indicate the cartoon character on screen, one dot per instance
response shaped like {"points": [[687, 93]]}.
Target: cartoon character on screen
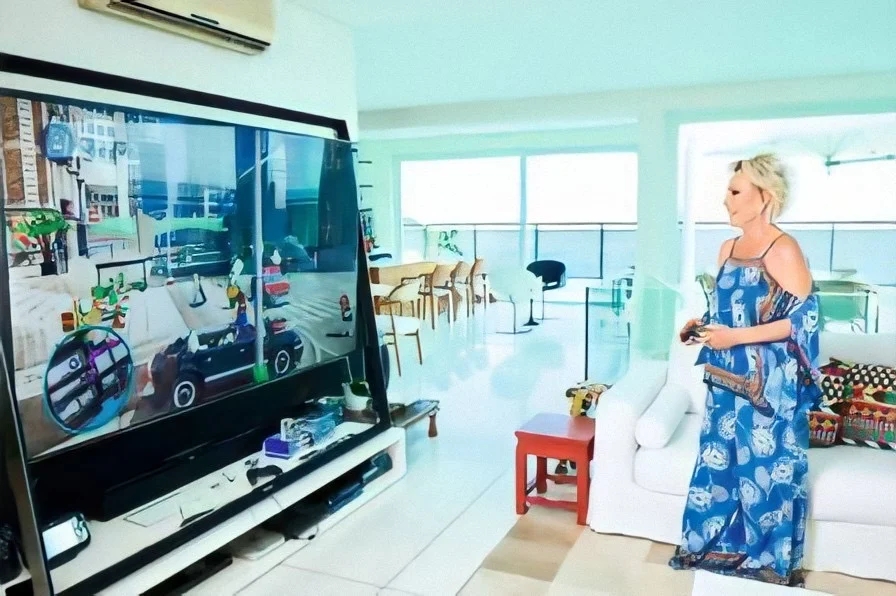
{"points": [[236, 297]]}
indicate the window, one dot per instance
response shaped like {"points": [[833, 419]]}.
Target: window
{"points": [[582, 188], [844, 193], [462, 191]]}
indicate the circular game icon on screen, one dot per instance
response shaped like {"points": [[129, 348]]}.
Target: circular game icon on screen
{"points": [[87, 381]]}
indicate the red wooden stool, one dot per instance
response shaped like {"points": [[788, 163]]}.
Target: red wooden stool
{"points": [[561, 437]]}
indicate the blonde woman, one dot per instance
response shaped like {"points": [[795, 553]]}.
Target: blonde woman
{"points": [[746, 507]]}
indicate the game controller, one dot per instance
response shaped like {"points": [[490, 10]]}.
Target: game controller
{"points": [[253, 474], [692, 333]]}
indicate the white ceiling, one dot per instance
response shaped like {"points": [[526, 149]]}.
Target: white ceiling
{"points": [[428, 52], [837, 137]]}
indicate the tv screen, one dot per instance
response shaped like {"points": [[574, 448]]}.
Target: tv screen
{"points": [[159, 261]]}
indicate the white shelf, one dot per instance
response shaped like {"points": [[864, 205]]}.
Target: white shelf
{"points": [[117, 539], [242, 572], [132, 538]]}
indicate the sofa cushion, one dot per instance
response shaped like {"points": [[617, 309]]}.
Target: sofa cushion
{"points": [[668, 470], [879, 348], [852, 485], [656, 426], [846, 484]]}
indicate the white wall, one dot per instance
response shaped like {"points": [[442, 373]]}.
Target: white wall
{"points": [[310, 67]]}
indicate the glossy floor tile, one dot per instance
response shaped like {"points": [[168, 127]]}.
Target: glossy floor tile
{"points": [[286, 580]]}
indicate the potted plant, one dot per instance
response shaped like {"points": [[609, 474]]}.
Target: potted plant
{"points": [[44, 226]]}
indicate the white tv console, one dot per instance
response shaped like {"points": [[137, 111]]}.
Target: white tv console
{"points": [[241, 572]]}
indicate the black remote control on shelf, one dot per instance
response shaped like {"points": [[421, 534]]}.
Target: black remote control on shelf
{"points": [[253, 474]]}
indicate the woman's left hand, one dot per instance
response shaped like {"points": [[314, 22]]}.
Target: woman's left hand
{"points": [[719, 337]]}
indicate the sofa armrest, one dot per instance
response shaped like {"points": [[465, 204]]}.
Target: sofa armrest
{"points": [[616, 416], [657, 425], [620, 407]]}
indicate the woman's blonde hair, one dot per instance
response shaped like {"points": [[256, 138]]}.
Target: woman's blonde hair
{"points": [[767, 173]]}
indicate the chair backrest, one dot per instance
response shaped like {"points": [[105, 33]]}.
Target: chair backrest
{"points": [[550, 272], [406, 292], [462, 272], [393, 274], [513, 283], [478, 267], [441, 277]]}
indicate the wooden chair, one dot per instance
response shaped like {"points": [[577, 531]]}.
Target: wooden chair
{"points": [[478, 281], [437, 291], [394, 325], [461, 281]]}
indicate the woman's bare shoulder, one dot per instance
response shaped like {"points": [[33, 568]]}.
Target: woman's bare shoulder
{"points": [[787, 264], [725, 250]]}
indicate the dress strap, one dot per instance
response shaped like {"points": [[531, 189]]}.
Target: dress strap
{"points": [[762, 256], [733, 242]]}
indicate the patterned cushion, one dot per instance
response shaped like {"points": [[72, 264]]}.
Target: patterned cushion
{"points": [[824, 429], [864, 395], [858, 406], [869, 423], [835, 383], [874, 381], [582, 396]]}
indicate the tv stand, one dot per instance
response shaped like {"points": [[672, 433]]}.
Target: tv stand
{"points": [[242, 572]]}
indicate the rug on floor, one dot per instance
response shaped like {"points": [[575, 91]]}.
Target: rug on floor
{"points": [[547, 553]]}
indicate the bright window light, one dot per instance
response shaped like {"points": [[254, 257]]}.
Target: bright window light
{"points": [[582, 188], [461, 191]]}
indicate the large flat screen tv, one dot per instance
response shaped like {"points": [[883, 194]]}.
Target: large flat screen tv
{"points": [[182, 271]]}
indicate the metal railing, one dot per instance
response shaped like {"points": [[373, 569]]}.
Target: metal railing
{"points": [[589, 250], [607, 249]]}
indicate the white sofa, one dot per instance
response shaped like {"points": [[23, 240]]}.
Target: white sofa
{"points": [[647, 431]]}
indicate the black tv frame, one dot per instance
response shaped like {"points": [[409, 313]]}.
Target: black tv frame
{"points": [[16, 474]]}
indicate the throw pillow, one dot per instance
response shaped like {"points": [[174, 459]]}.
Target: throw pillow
{"points": [[583, 396], [824, 428], [876, 383], [656, 426], [835, 382], [869, 423]]}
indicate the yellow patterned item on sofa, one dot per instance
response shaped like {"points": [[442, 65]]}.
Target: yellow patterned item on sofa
{"points": [[582, 396]]}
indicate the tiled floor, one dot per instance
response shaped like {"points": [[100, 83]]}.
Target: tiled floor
{"points": [[429, 533], [545, 553]]}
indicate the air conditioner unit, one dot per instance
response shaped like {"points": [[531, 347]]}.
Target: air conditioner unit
{"points": [[246, 26]]}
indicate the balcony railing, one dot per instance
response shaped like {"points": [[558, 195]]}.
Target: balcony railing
{"points": [[607, 249]]}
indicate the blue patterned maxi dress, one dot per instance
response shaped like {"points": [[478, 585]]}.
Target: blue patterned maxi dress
{"points": [[746, 506]]}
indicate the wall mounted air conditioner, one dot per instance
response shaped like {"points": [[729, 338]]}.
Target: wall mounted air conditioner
{"points": [[246, 26]]}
